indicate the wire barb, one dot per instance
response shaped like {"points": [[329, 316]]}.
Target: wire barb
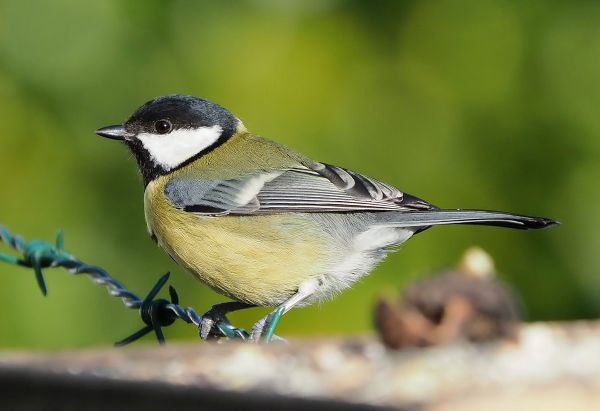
{"points": [[155, 313]]}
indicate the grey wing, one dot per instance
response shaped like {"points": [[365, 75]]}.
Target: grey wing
{"points": [[317, 188]]}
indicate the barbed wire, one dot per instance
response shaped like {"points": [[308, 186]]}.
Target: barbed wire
{"points": [[155, 313]]}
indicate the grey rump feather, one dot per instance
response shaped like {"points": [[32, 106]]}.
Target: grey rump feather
{"points": [[322, 188]]}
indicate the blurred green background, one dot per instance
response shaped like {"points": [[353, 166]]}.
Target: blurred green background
{"points": [[468, 104]]}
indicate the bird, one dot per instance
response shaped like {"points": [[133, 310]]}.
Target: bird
{"points": [[262, 223]]}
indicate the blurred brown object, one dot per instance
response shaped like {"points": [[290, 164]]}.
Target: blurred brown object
{"points": [[468, 304]]}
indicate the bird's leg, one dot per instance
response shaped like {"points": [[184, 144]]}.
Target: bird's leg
{"points": [[265, 327], [218, 312]]}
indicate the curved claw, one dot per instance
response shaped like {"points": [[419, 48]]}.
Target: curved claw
{"points": [[206, 327], [230, 331], [215, 324], [264, 329], [271, 324]]}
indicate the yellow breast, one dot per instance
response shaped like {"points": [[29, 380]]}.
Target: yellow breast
{"points": [[256, 259]]}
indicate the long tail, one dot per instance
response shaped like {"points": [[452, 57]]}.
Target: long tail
{"points": [[477, 217]]}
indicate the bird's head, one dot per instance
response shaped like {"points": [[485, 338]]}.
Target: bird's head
{"points": [[171, 131]]}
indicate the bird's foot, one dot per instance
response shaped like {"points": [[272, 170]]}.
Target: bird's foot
{"points": [[257, 329], [209, 319], [264, 329], [215, 323]]}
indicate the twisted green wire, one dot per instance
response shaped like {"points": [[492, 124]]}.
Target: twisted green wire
{"points": [[37, 254]]}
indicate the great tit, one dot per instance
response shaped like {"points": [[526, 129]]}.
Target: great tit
{"points": [[260, 222]]}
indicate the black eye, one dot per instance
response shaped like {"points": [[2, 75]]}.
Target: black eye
{"points": [[163, 126]]}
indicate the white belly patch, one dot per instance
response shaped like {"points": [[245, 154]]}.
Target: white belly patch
{"points": [[366, 250]]}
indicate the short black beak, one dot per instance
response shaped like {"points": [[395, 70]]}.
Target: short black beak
{"points": [[116, 132]]}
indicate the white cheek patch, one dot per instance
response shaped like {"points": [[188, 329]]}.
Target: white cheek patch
{"points": [[170, 150]]}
